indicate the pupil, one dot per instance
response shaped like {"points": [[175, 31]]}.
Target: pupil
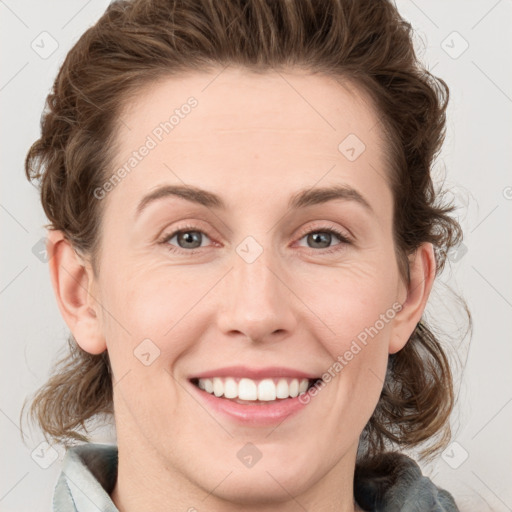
{"points": [[189, 239], [317, 238]]}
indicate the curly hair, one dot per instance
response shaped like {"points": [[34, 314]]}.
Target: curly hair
{"points": [[135, 43]]}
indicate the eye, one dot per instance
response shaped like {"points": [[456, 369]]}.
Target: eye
{"points": [[323, 236], [188, 238]]}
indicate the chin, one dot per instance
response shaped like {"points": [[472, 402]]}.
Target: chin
{"points": [[272, 479], [250, 489]]}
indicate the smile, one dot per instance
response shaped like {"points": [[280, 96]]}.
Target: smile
{"points": [[254, 390], [253, 397]]}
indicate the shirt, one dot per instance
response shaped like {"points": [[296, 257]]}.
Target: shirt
{"points": [[394, 484]]}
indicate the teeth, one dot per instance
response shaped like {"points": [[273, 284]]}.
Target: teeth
{"points": [[294, 388], [267, 390], [247, 389], [282, 389], [218, 387], [303, 385], [208, 386], [230, 388]]}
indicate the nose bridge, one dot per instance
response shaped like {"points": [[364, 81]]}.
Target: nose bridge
{"points": [[255, 300]]}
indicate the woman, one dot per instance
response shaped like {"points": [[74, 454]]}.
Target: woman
{"points": [[243, 238]]}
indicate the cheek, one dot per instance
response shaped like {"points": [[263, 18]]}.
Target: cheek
{"points": [[360, 329], [357, 303], [359, 309], [155, 309]]}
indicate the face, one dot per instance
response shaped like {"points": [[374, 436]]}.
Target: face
{"points": [[250, 290]]}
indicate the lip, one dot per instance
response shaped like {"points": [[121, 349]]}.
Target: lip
{"points": [[254, 373], [262, 414]]}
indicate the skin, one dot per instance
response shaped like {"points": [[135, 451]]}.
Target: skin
{"points": [[254, 140]]}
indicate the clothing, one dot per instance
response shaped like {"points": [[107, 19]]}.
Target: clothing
{"points": [[392, 483]]}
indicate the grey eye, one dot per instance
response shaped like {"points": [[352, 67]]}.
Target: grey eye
{"points": [[189, 239], [320, 237]]}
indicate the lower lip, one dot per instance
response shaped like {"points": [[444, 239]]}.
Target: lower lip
{"points": [[261, 414]]}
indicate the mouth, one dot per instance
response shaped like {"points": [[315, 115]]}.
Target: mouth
{"points": [[255, 397], [243, 390]]}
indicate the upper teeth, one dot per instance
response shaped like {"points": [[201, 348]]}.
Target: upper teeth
{"points": [[248, 389]]}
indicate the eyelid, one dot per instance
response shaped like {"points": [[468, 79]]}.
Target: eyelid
{"points": [[322, 226], [166, 236]]}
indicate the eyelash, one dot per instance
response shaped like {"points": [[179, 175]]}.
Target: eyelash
{"points": [[343, 239]]}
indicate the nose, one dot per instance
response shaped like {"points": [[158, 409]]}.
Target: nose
{"points": [[256, 301]]}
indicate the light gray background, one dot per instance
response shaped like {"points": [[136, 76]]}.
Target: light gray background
{"points": [[475, 164]]}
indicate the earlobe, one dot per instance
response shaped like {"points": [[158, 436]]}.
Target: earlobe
{"points": [[72, 284], [422, 271]]}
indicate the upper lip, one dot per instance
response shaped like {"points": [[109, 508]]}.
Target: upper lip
{"points": [[254, 373]]}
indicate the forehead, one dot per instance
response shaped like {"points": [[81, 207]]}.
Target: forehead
{"points": [[250, 133], [236, 99]]}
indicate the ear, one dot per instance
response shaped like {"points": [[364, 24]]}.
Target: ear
{"points": [[72, 281], [422, 267]]}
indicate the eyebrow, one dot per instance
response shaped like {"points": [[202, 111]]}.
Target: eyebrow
{"points": [[301, 199]]}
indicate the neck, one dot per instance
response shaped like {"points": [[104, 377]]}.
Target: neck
{"points": [[147, 480]]}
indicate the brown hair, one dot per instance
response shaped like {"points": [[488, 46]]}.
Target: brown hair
{"points": [[137, 42]]}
